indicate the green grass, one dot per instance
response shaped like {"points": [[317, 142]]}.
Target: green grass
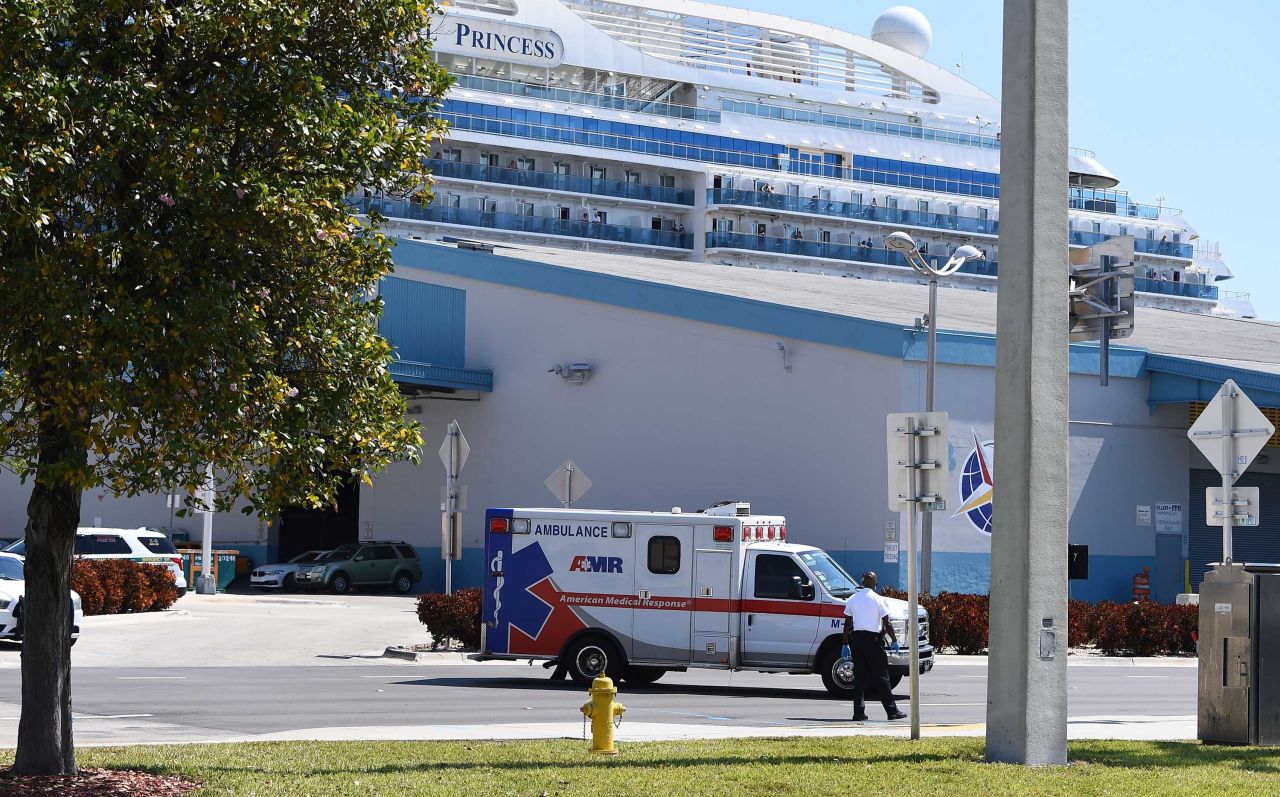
{"points": [[950, 767]]}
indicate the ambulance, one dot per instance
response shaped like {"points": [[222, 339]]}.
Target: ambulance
{"points": [[638, 594]]}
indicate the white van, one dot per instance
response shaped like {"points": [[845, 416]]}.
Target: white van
{"points": [[140, 545]]}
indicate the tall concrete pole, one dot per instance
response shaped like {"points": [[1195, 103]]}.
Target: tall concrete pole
{"points": [[1027, 669]]}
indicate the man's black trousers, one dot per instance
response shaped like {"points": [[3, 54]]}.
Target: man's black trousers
{"points": [[870, 671]]}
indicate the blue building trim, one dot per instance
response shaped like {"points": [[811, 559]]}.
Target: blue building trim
{"points": [[1178, 380], [428, 375]]}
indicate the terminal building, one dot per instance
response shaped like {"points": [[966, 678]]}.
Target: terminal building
{"points": [[655, 249]]}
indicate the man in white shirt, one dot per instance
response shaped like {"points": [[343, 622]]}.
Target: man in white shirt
{"points": [[866, 617]]}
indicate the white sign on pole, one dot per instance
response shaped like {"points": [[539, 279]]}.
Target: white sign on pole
{"points": [[568, 483], [916, 444], [462, 451], [1168, 518], [891, 552], [891, 531], [1144, 514], [1245, 506], [1250, 430]]}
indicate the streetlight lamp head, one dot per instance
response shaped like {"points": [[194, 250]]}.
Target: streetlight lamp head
{"points": [[969, 252], [899, 242]]}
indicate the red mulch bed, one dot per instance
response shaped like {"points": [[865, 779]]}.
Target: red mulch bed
{"points": [[95, 783]]}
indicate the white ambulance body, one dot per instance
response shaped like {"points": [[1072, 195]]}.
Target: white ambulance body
{"points": [[640, 593]]}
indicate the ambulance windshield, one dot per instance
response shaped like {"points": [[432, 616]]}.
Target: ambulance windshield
{"points": [[833, 578]]}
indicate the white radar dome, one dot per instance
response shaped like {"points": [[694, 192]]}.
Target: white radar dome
{"points": [[903, 28]]}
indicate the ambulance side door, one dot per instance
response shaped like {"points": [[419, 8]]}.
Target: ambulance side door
{"points": [[780, 611], [663, 614]]}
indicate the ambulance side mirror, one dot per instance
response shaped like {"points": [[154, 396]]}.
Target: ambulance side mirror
{"points": [[801, 589]]}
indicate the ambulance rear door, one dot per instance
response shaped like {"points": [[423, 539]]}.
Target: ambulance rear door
{"points": [[662, 618]]}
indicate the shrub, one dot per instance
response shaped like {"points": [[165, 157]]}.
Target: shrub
{"points": [[454, 617], [114, 586], [959, 622]]}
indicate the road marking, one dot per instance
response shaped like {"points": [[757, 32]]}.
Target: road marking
{"points": [[688, 714], [151, 677], [939, 705], [1147, 676], [109, 716], [971, 676]]}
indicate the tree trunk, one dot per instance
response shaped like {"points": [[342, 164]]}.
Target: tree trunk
{"points": [[45, 745]]}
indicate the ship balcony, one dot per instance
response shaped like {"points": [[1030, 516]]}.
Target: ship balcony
{"points": [[1141, 245], [885, 216], [519, 223], [550, 181], [611, 102], [1186, 290], [830, 251]]}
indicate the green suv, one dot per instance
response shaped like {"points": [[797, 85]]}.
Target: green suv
{"points": [[380, 563]]}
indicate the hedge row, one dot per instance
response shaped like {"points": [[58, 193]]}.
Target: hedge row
{"points": [[453, 617], [118, 586], [959, 622]]}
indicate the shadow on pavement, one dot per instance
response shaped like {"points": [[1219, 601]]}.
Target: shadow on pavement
{"points": [[817, 693]]}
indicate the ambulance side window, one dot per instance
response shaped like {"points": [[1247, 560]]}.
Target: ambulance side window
{"points": [[776, 577], [664, 555]]}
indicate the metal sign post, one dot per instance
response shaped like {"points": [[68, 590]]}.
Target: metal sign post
{"points": [[916, 444], [208, 583], [1230, 433], [453, 453]]}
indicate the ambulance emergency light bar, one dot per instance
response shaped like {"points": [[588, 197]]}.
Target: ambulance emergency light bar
{"points": [[622, 530]]}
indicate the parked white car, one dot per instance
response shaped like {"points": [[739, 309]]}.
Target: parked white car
{"points": [[140, 545], [13, 588], [281, 576]]}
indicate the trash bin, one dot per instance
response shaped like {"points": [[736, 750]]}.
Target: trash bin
{"points": [[224, 567], [1239, 651]]}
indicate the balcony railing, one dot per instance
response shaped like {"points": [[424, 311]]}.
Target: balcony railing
{"points": [[853, 211], [560, 182], [829, 251], [1190, 290], [516, 222], [611, 101], [1145, 245]]}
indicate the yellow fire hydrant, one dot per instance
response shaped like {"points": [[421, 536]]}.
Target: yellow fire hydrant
{"points": [[602, 710]]}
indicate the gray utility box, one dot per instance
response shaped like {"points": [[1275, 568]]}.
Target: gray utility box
{"points": [[1239, 689]]}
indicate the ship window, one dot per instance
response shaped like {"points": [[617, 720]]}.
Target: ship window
{"points": [[452, 200], [664, 555], [983, 213], [667, 180], [524, 208], [633, 177], [562, 168], [922, 205]]}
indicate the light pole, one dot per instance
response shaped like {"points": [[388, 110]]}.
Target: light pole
{"points": [[902, 242]]}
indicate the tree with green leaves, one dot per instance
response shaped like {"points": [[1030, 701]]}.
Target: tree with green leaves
{"points": [[183, 284]]}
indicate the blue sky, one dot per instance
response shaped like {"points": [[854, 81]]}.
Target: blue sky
{"points": [[1177, 97]]}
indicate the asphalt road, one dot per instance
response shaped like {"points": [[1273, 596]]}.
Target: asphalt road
{"points": [[211, 701]]}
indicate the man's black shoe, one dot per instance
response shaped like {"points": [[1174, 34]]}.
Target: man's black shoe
{"points": [[897, 715], [860, 717]]}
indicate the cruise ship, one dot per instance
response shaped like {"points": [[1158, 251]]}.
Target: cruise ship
{"points": [[703, 133]]}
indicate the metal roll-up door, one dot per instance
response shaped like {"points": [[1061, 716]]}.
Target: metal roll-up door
{"points": [[1260, 543]]}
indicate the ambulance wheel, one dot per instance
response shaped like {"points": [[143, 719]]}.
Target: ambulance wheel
{"points": [[837, 675], [590, 656], [643, 676]]}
